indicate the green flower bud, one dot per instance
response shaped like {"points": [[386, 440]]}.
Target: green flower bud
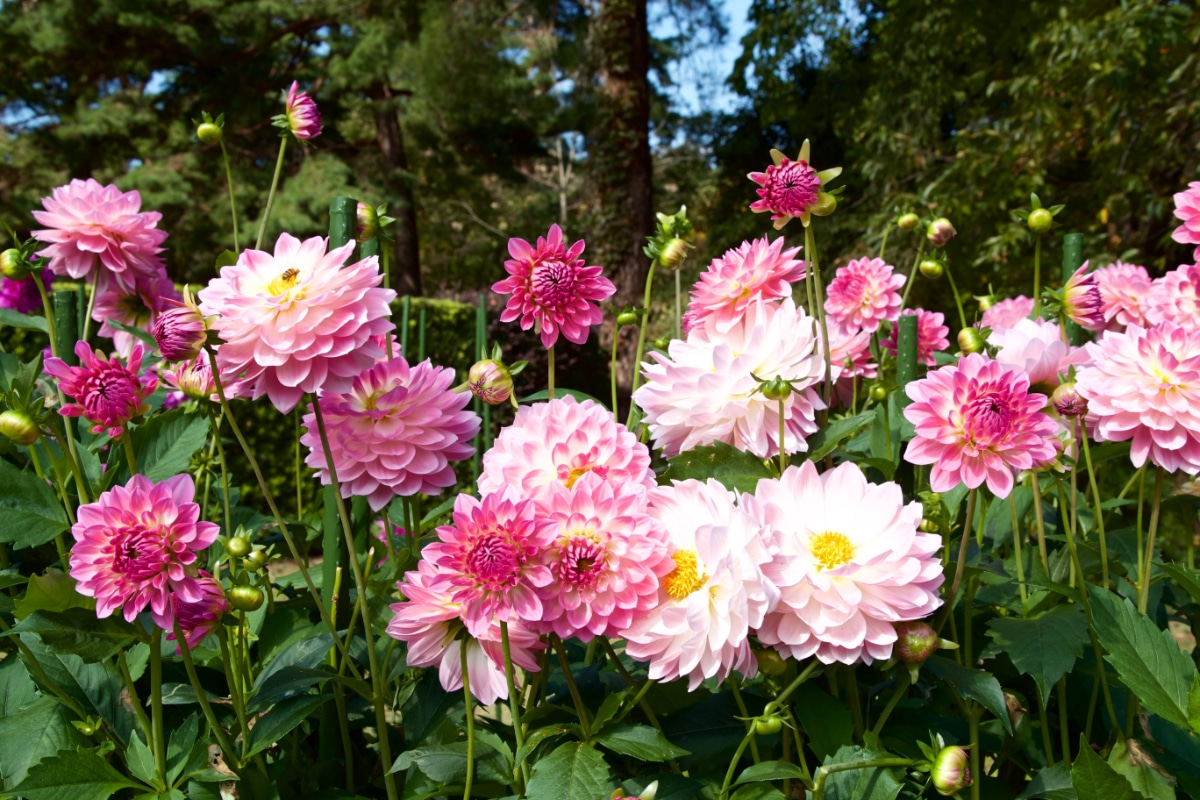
{"points": [[951, 772], [255, 560], [662, 342], [246, 598], [238, 547], [1040, 220], [931, 268], [970, 340], [908, 222], [766, 726], [770, 663], [19, 427], [826, 204], [987, 301], [15, 266], [777, 389], [490, 381], [673, 253], [209, 132], [627, 318], [879, 393]]}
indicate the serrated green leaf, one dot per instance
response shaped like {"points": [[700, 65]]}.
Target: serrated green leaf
{"points": [[1148, 660], [609, 708], [96, 687], [639, 741], [827, 439], [79, 632], [536, 737], [53, 591], [826, 721], [165, 444], [972, 684], [873, 783], [284, 683], [769, 771], [1186, 578], [757, 791], [1044, 647], [1093, 778], [281, 720], [1051, 783], [446, 764], [73, 775], [30, 514], [574, 771], [39, 730], [26, 321], [140, 760], [1144, 778], [180, 746], [735, 469], [17, 690]]}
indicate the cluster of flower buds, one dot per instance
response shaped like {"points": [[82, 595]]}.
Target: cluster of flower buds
{"points": [[669, 246]]}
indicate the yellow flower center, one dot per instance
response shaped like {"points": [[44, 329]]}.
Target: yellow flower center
{"points": [[574, 474], [831, 549], [283, 281], [686, 577]]}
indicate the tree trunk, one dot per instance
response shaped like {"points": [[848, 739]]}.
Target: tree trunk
{"points": [[619, 157], [397, 180]]}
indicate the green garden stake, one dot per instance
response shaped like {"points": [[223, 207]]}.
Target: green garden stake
{"points": [[906, 357], [421, 335], [343, 220], [405, 305], [1072, 260], [369, 248], [66, 324]]}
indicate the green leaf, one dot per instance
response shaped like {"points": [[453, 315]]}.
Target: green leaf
{"points": [[17, 690], [639, 741], [609, 708], [972, 684], [96, 687], [1194, 705], [826, 440], [280, 720], [284, 683], [769, 771], [226, 258], [79, 632], [574, 771], [1185, 577], [30, 514], [1093, 778], [873, 783], [1051, 783], [757, 791], [26, 321], [140, 760], [165, 444], [1044, 647], [54, 591], [559, 392], [37, 731], [737, 470], [73, 775], [180, 745], [427, 707], [1144, 778], [447, 763], [826, 721], [1148, 660]]}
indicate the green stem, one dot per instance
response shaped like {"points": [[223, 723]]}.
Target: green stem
{"points": [[550, 373], [873, 763], [641, 345], [127, 443], [1037, 277], [612, 369], [962, 317], [783, 459], [76, 471], [1144, 576], [158, 743], [776, 704], [902, 684], [580, 709], [1081, 435], [733, 762], [299, 493], [646, 709], [678, 304], [961, 565], [224, 477], [883, 245], [219, 732], [262, 226], [976, 755], [236, 695], [514, 702], [1046, 746], [1064, 735], [232, 201], [814, 266], [138, 709], [32, 664], [912, 275], [87, 320], [1016, 531], [1036, 485], [737, 698], [470, 718]]}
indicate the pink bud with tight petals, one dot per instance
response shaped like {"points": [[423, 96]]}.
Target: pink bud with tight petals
{"points": [[490, 381], [939, 232], [179, 332]]}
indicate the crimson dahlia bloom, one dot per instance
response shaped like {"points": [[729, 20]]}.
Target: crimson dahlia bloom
{"points": [[23, 296], [552, 290], [790, 189], [107, 393]]}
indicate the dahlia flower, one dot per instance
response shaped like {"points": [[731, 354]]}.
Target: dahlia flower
{"points": [[135, 546], [1175, 297], [22, 296], [1038, 350], [138, 307], [850, 563], [559, 441], [490, 558], [850, 349], [715, 595], [1144, 385], [931, 335], [303, 118], [394, 433], [1005, 313], [99, 233], [753, 270], [864, 293], [179, 331], [1081, 300], [198, 619], [194, 378], [1124, 294], [608, 558], [299, 320], [790, 188], [705, 390], [977, 421], [1187, 208], [107, 393], [552, 290]]}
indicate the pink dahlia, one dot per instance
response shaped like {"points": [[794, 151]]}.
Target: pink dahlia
{"points": [[135, 546], [1081, 301], [198, 619], [303, 118], [753, 270], [1038, 350], [394, 433], [790, 188], [560, 441], [1124, 294], [134, 308], [864, 293], [107, 393], [99, 233], [850, 563], [932, 335], [1144, 385], [552, 290], [22, 296], [715, 595], [491, 558], [977, 421], [1175, 297], [705, 390], [179, 331], [850, 349], [429, 622], [1187, 208], [193, 378], [299, 320], [1006, 313], [608, 557]]}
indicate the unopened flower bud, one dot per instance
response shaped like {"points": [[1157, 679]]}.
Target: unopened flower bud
{"points": [[1067, 401], [826, 204], [673, 253], [928, 525], [939, 232], [14, 266], [1040, 220], [951, 772], [931, 268], [18, 427], [879, 393], [490, 381], [209, 132], [179, 332], [367, 227], [986, 301], [915, 642], [908, 222], [627, 318], [662, 342], [970, 340], [770, 663], [777, 389]]}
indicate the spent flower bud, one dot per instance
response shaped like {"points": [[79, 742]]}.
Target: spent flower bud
{"points": [[951, 772], [939, 232], [908, 222], [18, 427]]}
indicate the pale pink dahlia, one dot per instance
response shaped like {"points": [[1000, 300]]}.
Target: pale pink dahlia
{"points": [[200, 618], [705, 390], [395, 433], [552, 290], [299, 320], [1124, 294], [715, 595], [99, 233], [864, 293], [22, 296], [790, 189], [1038, 350], [1005, 313], [753, 270], [107, 393], [139, 307], [1144, 385], [559, 441], [1081, 301], [490, 558], [977, 421], [303, 118], [1175, 297], [608, 557], [135, 546], [850, 563], [932, 335], [1187, 208]]}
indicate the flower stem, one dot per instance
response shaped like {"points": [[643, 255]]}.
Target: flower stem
{"points": [[961, 565], [1041, 523], [1037, 277], [262, 226], [470, 718], [976, 755], [781, 698], [236, 695], [514, 702], [1081, 435], [87, 320], [550, 373], [783, 459], [189, 665], [135, 701], [827, 770], [1144, 575], [612, 369], [912, 275], [156, 707], [232, 200], [902, 684], [1016, 531], [741, 704], [810, 247], [48, 309], [678, 304], [883, 245], [641, 345], [127, 443], [580, 709], [962, 317]]}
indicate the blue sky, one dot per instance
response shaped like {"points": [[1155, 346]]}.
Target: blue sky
{"points": [[700, 79]]}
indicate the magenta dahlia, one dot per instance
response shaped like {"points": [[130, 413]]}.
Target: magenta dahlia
{"points": [[977, 421], [753, 270], [932, 335], [179, 331], [850, 350], [790, 189], [864, 293], [1175, 297], [22, 296], [1124, 294], [394, 433], [200, 618], [552, 290], [1187, 208], [107, 393], [303, 118], [135, 546]]}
